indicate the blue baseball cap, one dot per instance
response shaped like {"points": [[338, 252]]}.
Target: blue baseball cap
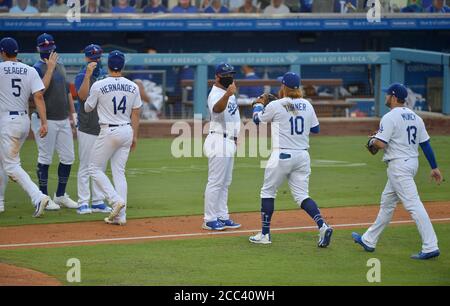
{"points": [[397, 90], [9, 46], [224, 68], [45, 43], [116, 60], [93, 51], [291, 80]]}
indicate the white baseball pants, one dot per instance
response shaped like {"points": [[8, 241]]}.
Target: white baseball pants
{"points": [[113, 144], [294, 165], [220, 152], [401, 187], [86, 144], [59, 137], [14, 130]]}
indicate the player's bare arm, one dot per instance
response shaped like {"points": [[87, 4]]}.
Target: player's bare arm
{"points": [[144, 96], [221, 105], [40, 106], [135, 115], [51, 65], [83, 92]]}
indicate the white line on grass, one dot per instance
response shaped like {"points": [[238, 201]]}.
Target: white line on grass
{"points": [[196, 234]]}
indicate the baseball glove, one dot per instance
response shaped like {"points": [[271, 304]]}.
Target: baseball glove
{"points": [[264, 99], [371, 147]]}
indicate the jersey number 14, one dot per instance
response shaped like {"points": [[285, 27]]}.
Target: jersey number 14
{"points": [[122, 105]]}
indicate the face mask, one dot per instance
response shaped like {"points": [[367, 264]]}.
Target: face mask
{"points": [[226, 81], [45, 55], [97, 69]]}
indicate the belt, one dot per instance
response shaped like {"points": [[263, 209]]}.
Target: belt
{"points": [[17, 113], [117, 125], [225, 135]]}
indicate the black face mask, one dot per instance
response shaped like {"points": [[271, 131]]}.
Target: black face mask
{"points": [[45, 55], [226, 81]]}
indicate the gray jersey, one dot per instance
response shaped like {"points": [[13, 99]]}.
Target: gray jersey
{"points": [[56, 95]]}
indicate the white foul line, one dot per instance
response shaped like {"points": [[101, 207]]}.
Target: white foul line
{"points": [[195, 234]]}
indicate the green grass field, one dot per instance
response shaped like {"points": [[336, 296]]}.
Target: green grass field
{"points": [[292, 259], [343, 174], [160, 185]]}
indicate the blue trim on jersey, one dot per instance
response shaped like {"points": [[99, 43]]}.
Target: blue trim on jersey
{"points": [[315, 129], [256, 110], [429, 154], [385, 142]]}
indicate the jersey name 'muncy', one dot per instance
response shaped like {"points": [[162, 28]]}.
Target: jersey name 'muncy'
{"points": [[117, 87]]}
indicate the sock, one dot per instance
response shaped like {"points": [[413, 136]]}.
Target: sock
{"points": [[313, 211], [267, 208], [63, 177], [42, 174]]}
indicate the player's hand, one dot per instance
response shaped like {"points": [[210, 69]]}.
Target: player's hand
{"points": [[43, 130], [436, 175], [52, 60], [231, 90], [134, 144], [90, 68]]}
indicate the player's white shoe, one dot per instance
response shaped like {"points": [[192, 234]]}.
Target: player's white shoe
{"points": [[116, 208], [65, 201], [325, 233], [51, 206], [116, 221], [260, 238], [41, 206]]}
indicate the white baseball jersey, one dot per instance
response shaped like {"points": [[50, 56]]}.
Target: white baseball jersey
{"points": [[228, 121], [18, 83], [115, 99], [293, 119], [402, 130]]}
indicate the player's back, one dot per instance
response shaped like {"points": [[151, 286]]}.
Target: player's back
{"points": [[292, 121], [403, 131], [117, 96], [18, 82]]}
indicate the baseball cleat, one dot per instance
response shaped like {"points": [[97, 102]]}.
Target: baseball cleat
{"points": [[115, 211], [116, 221], [229, 223], [84, 209], [52, 206], [260, 238], [358, 239], [65, 201], [41, 206], [325, 234], [425, 256], [213, 226], [101, 208]]}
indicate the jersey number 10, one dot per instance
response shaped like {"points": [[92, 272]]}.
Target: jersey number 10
{"points": [[297, 125], [122, 105]]}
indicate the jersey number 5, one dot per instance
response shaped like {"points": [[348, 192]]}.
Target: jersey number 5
{"points": [[16, 86], [122, 105], [297, 125]]}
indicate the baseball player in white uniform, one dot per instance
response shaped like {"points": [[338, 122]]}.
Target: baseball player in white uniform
{"points": [[220, 147], [400, 134], [293, 119], [18, 83], [117, 100], [60, 110]]}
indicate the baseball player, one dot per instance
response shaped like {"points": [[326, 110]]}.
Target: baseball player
{"points": [[117, 100], [18, 83], [293, 119], [400, 134], [88, 130], [220, 147], [60, 110]]}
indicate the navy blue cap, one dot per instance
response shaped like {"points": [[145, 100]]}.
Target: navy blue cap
{"points": [[45, 43], [397, 90], [291, 80], [93, 51], [116, 60], [224, 68], [9, 46]]}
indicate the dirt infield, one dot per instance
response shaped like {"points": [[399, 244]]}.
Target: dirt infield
{"points": [[85, 233]]}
